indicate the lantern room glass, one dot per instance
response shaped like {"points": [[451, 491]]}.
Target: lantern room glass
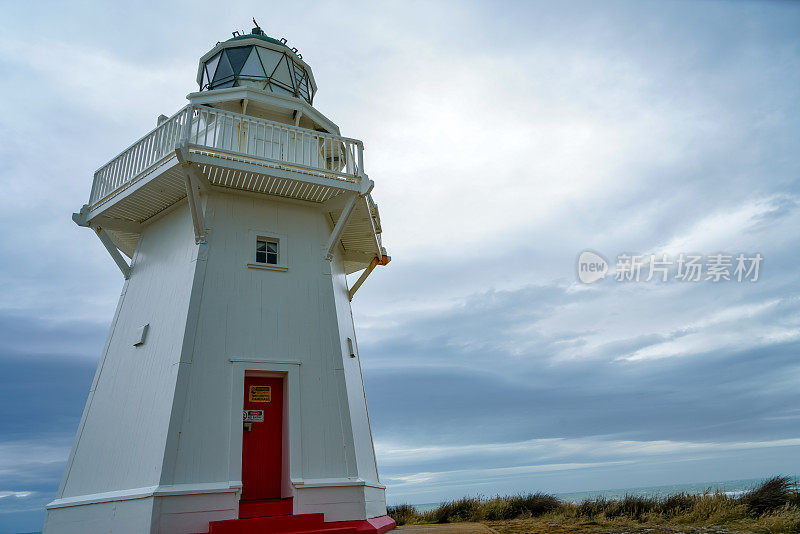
{"points": [[258, 67]]}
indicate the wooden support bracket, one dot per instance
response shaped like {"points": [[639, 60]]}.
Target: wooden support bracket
{"points": [[338, 230], [383, 260], [116, 255], [192, 194], [105, 239], [365, 188]]}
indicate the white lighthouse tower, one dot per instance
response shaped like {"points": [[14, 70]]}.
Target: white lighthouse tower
{"points": [[229, 395]]}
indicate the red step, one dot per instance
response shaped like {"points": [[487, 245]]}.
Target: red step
{"points": [[285, 523], [341, 530], [265, 508], [296, 524]]}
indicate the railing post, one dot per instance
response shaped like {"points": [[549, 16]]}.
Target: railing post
{"points": [[187, 125], [361, 159], [94, 188]]}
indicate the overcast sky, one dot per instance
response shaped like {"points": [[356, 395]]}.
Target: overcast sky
{"points": [[504, 139]]}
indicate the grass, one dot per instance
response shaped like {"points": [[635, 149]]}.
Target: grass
{"points": [[772, 507]]}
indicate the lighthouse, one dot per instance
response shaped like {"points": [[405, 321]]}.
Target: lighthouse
{"points": [[229, 394]]}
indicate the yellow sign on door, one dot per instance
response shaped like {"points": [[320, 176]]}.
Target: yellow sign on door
{"points": [[260, 394]]}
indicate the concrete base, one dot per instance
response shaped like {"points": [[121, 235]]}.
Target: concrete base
{"points": [[176, 510], [137, 514], [355, 501]]}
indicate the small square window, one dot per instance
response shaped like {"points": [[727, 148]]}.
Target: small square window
{"points": [[271, 251], [267, 251]]}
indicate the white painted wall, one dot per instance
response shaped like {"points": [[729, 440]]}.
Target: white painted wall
{"points": [[121, 440]]}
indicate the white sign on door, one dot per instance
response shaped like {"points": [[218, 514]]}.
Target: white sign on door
{"points": [[253, 416]]}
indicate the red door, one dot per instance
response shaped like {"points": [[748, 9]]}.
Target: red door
{"points": [[262, 442]]}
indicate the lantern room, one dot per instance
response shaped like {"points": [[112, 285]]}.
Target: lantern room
{"points": [[258, 61]]}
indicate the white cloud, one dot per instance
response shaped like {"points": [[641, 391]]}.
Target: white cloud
{"points": [[734, 327], [484, 476], [91, 78], [17, 494], [18, 457], [395, 455], [725, 230]]}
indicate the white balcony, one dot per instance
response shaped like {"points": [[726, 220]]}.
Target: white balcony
{"points": [[232, 151]]}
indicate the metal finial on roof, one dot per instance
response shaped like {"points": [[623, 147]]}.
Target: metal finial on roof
{"points": [[257, 30]]}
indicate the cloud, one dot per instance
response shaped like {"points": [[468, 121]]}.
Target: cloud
{"points": [[24, 335], [489, 475], [17, 494], [30, 470], [549, 363], [89, 77], [395, 455], [19, 458], [729, 227]]}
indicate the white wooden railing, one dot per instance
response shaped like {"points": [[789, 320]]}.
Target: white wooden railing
{"points": [[215, 131], [139, 157]]}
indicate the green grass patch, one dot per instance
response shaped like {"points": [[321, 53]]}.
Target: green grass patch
{"points": [[774, 506]]}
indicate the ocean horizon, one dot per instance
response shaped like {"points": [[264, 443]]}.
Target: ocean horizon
{"points": [[729, 487]]}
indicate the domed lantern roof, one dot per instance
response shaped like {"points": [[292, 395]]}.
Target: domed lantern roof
{"points": [[258, 61]]}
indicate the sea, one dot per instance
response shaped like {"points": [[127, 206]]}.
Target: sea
{"points": [[729, 487]]}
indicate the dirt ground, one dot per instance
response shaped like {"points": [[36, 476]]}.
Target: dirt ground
{"points": [[454, 528], [529, 526]]}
